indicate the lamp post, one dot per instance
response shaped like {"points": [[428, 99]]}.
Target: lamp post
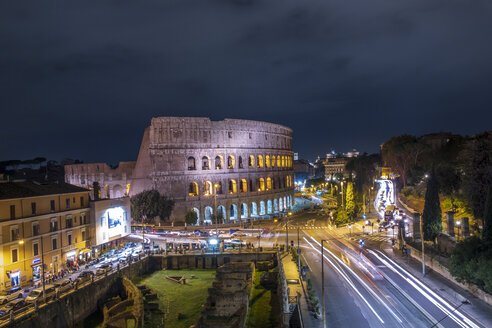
{"points": [[298, 254], [350, 229], [42, 266], [286, 234], [342, 193], [423, 246], [215, 211], [458, 224], [323, 314], [21, 242]]}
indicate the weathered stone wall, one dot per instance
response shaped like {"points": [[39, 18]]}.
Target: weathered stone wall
{"points": [[76, 306], [228, 299], [209, 261], [113, 181]]}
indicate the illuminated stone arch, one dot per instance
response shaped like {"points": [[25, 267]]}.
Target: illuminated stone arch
{"points": [[260, 161], [254, 209], [209, 212], [269, 206], [219, 162], [244, 211], [231, 162], [193, 189], [208, 188], [205, 163], [233, 212], [191, 163], [262, 208]]}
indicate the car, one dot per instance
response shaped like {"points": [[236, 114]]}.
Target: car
{"points": [[15, 306], [63, 286], [239, 234], [10, 294], [37, 294], [123, 259], [84, 276], [103, 269]]}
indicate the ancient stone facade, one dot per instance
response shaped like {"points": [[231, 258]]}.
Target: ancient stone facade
{"points": [[239, 168], [113, 181]]}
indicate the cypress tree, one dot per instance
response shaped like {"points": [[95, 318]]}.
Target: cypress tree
{"points": [[487, 217], [432, 217], [349, 198]]}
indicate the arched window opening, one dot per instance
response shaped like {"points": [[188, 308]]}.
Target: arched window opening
{"points": [[240, 162], [230, 162], [243, 186], [207, 188], [232, 186], [267, 161], [218, 187], [278, 162], [269, 184], [251, 161], [262, 185], [191, 163], [283, 161], [205, 163], [193, 189], [260, 161], [219, 163]]}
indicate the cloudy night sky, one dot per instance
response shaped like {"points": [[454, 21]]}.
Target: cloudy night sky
{"points": [[82, 79]]}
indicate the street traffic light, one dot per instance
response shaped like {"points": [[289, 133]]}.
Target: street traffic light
{"points": [[292, 243]]}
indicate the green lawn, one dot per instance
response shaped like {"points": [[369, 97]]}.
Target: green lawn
{"points": [[185, 299], [261, 314]]}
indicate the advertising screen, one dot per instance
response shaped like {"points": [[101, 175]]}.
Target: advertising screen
{"points": [[116, 221]]}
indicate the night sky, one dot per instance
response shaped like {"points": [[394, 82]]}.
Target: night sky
{"points": [[82, 79]]}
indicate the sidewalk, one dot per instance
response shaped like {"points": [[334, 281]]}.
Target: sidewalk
{"points": [[291, 272], [442, 286]]}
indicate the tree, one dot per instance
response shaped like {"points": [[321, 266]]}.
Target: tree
{"points": [[349, 200], [432, 217], [402, 154], [487, 217], [477, 168], [219, 216], [150, 204], [191, 217], [96, 189], [364, 168], [341, 217]]}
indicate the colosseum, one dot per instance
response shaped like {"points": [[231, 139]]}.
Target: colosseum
{"points": [[238, 168]]}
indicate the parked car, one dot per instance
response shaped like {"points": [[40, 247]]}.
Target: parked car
{"points": [[63, 286], [14, 306], [37, 294], [103, 269], [10, 294], [84, 276]]}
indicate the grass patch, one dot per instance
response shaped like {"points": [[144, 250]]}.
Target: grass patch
{"points": [[175, 298], [262, 307]]}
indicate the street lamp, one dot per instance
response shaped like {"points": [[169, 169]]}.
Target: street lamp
{"points": [[350, 229], [323, 314], [458, 224], [215, 209], [21, 242]]}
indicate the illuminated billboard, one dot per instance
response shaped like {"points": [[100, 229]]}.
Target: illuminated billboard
{"points": [[116, 219]]}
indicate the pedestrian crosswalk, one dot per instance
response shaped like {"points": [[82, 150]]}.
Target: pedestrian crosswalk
{"points": [[308, 227], [376, 237]]}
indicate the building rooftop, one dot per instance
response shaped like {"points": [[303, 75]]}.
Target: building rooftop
{"points": [[21, 189]]}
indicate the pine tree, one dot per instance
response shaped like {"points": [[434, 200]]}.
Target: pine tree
{"points": [[349, 198], [432, 216]]}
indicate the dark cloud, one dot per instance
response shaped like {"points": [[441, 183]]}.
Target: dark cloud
{"points": [[83, 79]]}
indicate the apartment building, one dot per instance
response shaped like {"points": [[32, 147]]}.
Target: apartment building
{"points": [[41, 222]]}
